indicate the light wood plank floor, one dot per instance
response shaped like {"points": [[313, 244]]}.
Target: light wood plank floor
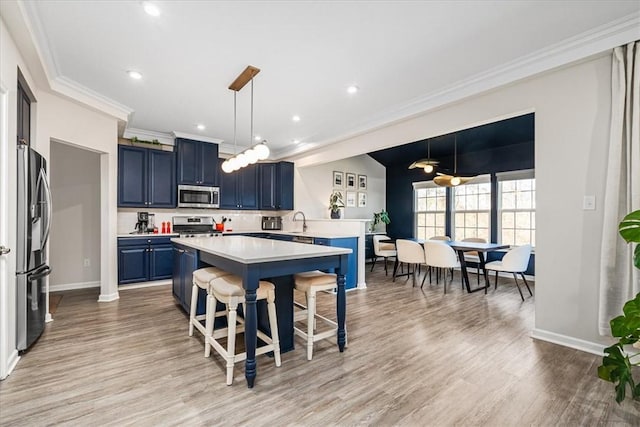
{"points": [[415, 357]]}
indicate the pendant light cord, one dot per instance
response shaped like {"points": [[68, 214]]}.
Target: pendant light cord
{"points": [[455, 155], [235, 121], [251, 136]]}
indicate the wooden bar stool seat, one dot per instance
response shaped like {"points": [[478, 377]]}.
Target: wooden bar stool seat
{"points": [[201, 279], [312, 282], [228, 290]]}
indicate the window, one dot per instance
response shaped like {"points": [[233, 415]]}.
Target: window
{"points": [[431, 209], [517, 208], [472, 210]]}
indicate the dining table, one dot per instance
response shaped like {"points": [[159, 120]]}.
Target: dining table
{"points": [[461, 247], [255, 258]]}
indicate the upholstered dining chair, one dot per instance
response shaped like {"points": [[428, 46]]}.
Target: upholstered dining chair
{"points": [[412, 254], [515, 261], [440, 255], [385, 250], [472, 256], [448, 239]]}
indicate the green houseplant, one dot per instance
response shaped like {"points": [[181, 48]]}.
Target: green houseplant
{"points": [[380, 217], [335, 204], [620, 360]]}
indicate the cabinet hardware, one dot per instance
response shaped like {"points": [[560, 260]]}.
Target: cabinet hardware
{"points": [[4, 251]]}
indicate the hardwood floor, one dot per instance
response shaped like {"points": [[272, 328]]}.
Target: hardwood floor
{"points": [[415, 357]]}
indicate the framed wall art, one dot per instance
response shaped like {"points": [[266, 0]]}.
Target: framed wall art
{"points": [[351, 180], [362, 182], [351, 199], [362, 199], [338, 179]]}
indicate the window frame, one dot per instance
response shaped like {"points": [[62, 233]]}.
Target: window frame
{"points": [[480, 179], [515, 176], [445, 212]]}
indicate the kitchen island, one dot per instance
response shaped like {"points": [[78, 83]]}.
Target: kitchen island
{"points": [[254, 258]]}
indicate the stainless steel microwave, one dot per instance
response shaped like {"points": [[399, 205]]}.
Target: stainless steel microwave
{"points": [[197, 196]]}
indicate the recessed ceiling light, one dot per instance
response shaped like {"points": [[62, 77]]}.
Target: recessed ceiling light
{"points": [[352, 89], [295, 118], [134, 75], [151, 8], [201, 127], [257, 138], [296, 141]]}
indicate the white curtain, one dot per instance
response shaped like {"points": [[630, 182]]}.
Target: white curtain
{"points": [[619, 280]]}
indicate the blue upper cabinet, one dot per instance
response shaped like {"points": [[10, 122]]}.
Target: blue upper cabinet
{"points": [[197, 162], [276, 186], [239, 189], [146, 177]]}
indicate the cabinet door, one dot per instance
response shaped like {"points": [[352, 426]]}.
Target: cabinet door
{"points": [[351, 278], [162, 179], [187, 161], [132, 176], [160, 262], [189, 265], [268, 183], [133, 264], [177, 285], [284, 188], [208, 164], [248, 187], [228, 189]]}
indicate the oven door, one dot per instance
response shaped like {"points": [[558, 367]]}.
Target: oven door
{"points": [[193, 196]]}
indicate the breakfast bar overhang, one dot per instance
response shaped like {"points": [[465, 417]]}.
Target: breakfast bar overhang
{"points": [[254, 258]]}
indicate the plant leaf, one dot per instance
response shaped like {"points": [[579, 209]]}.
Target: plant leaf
{"points": [[629, 227], [636, 256]]}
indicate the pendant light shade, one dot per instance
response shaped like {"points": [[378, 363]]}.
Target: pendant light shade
{"points": [[444, 180], [262, 151], [428, 164]]}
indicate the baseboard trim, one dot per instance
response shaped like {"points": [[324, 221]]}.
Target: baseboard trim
{"points": [[72, 286], [144, 284], [108, 297], [12, 361], [567, 341]]}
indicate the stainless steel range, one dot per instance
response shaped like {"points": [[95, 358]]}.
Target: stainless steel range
{"points": [[194, 226]]}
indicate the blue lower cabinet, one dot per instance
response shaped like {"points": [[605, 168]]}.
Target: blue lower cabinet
{"points": [[351, 277], [185, 262], [144, 259]]}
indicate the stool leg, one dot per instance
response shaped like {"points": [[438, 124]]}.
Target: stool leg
{"points": [[273, 324], [231, 338], [192, 310], [311, 317], [210, 320]]}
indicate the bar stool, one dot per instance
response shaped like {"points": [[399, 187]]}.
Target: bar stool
{"points": [[311, 282], [228, 290], [201, 279]]}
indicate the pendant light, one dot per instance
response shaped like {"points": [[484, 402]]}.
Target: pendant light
{"points": [[253, 154], [444, 180], [428, 164]]}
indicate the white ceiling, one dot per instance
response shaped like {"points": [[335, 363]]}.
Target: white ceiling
{"points": [[399, 53]]}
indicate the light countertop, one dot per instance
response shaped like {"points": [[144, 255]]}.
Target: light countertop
{"points": [[319, 234], [250, 250], [143, 235]]}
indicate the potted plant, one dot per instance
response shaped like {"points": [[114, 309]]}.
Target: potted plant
{"points": [[621, 358], [380, 217], [335, 204]]}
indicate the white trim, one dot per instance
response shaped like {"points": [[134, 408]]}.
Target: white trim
{"points": [[514, 175], [108, 297], [197, 137], [72, 286], [144, 285], [6, 362], [12, 361], [423, 184], [567, 341]]}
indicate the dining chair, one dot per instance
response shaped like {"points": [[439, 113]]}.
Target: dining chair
{"points": [[440, 255], [515, 261], [383, 249], [448, 239], [472, 256], [412, 254]]}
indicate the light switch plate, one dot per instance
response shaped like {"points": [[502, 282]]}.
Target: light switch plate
{"points": [[589, 203]]}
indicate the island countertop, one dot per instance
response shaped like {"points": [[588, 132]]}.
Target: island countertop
{"points": [[251, 250]]}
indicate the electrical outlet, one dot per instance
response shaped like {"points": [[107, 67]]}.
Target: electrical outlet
{"points": [[589, 203], [87, 262]]}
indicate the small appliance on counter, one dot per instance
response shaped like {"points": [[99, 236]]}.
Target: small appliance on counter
{"points": [[272, 223], [143, 223], [151, 223], [194, 226]]}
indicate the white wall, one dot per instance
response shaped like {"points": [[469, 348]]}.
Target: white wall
{"points": [[75, 231], [314, 184], [571, 108]]}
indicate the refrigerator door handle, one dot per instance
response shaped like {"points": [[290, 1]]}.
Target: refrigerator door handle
{"points": [[4, 251], [44, 271], [47, 195]]}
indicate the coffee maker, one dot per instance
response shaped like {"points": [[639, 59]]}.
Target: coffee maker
{"points": [[143, 222]]}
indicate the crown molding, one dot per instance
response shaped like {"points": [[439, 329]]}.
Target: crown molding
{"points": [[178, 134], [590, 43]]}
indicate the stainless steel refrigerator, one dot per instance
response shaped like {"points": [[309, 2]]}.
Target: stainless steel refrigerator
{"points": [[34, 224]]}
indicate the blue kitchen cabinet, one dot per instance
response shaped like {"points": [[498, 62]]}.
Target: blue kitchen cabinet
{"points": [[146, 178], [185, 262], [276, 186], [197, 162], [144, 259], [351, 278], [239, 189]]}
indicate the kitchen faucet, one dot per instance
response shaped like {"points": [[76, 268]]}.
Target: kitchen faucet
{"points": [[304, 220]]}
